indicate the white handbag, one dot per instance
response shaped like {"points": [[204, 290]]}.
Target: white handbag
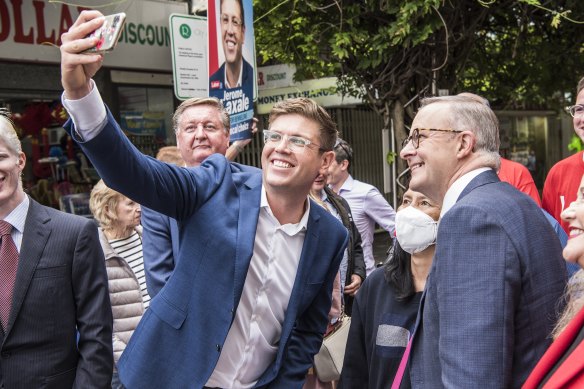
{"points": [[328, 363]]}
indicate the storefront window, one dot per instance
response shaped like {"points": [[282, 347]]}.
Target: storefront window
{"points": [[146, 116], [523, 140]]}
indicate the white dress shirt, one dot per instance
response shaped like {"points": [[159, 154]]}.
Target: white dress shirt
{"points": [[88, 113], [16, 218], [253, 339], [239, 80], [457, 187]]}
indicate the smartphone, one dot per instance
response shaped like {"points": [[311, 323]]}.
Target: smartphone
{"points": [[108, 34]]}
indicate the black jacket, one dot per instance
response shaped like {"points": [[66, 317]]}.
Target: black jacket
{"points": [[356, 260]]}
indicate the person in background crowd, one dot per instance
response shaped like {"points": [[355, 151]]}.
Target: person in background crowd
{"points": [[170, 154], [55, 314], [367, 204], [120, 235], [498, 273], [248, 301], [561, 183], [562, 366], [352, 269], [518, 176], [385, 309], [161, 240]]}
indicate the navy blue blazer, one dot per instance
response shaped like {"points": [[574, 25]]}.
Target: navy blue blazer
{"points": [[160, 248], [179, 339], [493, 292]]}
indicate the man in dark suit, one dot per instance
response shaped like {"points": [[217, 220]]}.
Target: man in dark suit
{"points": [[494, 289], [53, 283], [247, 303]]}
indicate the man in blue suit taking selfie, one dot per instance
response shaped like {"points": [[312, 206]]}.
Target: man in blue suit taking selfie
{"points": [[247, 304]]}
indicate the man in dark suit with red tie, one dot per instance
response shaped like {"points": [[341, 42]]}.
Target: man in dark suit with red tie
{"points": [[53, 284]]}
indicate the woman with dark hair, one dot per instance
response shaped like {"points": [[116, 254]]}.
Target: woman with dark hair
{"points": [[385, 309]]}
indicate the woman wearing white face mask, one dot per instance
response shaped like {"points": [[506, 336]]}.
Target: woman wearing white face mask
{"points": [[385, 309]]}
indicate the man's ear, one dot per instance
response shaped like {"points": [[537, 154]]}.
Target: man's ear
{"points": [[466, 144], [344, 165], [21, 162], [326, 161]]}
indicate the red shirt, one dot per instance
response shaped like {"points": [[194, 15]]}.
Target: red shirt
{"points": [[517, 175]]}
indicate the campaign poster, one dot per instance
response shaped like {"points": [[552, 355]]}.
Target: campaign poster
{"points": [[232, 76]]}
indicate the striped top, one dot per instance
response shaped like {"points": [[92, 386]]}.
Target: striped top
{"points": [[130, 249]]}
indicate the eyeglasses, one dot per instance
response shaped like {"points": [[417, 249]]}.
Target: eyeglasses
{"points": [[575, 110], [235, 22], [294, 143], [415, 136]]}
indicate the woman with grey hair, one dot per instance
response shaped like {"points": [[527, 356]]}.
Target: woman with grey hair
{"points": [[120, 235]]}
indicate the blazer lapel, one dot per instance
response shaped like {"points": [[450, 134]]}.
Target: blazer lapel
{"points": [[36, 234], [249, 207], [309, 253]]}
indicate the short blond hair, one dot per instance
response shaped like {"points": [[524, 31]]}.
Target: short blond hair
{"points": [[8, 132], [103, 202], [309, 109]]}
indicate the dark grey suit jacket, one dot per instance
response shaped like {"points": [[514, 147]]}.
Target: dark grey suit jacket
{"points": [[61, 285], [493, 291]]}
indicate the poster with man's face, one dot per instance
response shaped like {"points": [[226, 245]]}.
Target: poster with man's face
{"points": [[232, 76]]}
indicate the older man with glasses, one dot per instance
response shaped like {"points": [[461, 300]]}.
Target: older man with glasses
{"points": [[498, 273], [563, 179], [367, 204]]}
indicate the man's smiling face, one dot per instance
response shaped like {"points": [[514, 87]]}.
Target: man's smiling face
{"points": [[293, 171], [201, 133], [232, 31]]}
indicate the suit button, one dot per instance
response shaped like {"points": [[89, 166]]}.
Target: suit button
{"points": [[218, 347]]}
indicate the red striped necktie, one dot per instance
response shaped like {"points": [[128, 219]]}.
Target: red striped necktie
{"points": [[8, 267]]}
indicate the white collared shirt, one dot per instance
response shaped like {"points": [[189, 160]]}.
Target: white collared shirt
{"points": [[453, 193], [239, 80], [17, 217], [254, 336]]}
